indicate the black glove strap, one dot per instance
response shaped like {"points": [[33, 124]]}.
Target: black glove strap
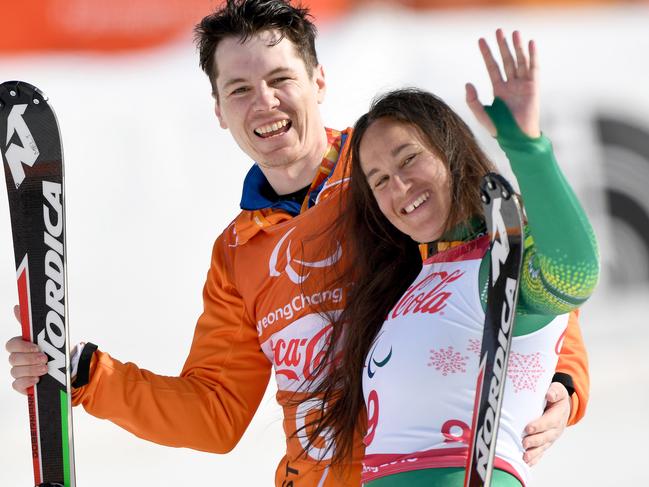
{"points": [[565, 380], [83, 369]]}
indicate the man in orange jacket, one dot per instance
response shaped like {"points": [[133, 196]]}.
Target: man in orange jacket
{"points": [[267, 83]]}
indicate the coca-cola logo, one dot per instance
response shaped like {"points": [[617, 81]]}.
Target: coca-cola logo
{"points": [[300, 356], [420, 299]]}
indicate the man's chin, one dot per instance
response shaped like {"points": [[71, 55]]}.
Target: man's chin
{"points": [[277, 165], [281, 158]]}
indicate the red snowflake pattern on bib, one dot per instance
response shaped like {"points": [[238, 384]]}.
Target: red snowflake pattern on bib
{"points": [[447, 360], [474, 346], [525, 370]]}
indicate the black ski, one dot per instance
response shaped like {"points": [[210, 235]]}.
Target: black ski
{"points": [[32, 156], [505, 226]]}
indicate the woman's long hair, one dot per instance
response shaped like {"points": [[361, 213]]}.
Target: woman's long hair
{"points": [[382, 261]]}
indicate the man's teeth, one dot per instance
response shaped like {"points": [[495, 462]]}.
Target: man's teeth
{"points": [[271, 127], [410, 208]]}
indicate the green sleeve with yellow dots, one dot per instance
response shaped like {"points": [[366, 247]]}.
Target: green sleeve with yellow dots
{"points": [[561, 259]]}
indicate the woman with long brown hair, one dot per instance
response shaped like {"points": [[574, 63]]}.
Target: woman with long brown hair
{"points": [[408, 356]]}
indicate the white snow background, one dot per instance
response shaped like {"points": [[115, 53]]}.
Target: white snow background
{"points": [[151, 180]]}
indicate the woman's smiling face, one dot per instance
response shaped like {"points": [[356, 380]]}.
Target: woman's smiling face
{"points": [[410, 182]]}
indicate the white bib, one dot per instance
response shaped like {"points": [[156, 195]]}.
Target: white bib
{"points": [[420, 376]]}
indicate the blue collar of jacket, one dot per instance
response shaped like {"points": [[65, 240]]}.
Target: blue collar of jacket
{"points": [[255, 185]]}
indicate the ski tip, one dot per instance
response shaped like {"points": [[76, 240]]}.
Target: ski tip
{"points": [[495, 185], [13, 92]]}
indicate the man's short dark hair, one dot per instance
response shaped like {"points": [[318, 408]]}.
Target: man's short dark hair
{"points": [[246, 18]]}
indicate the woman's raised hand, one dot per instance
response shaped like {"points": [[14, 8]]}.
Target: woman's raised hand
{"points": [[518, 88]]}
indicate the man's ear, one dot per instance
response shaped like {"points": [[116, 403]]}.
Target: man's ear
{"points": [[219, 115], [319, 80]]}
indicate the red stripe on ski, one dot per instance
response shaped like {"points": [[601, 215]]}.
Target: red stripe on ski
{"points": [[33, 426], [474, 419], [27, 334], [23, 300]]}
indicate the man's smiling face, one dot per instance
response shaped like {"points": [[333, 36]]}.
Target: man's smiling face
{"points": [[269, 102]]}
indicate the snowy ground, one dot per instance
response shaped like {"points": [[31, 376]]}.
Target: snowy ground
{"points": [[151, 180]]}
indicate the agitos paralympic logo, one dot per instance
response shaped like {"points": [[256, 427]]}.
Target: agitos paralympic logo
{"points": [[293, 274]]}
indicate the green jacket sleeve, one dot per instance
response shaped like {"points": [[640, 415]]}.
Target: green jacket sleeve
{"points": [[561, 260]]}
